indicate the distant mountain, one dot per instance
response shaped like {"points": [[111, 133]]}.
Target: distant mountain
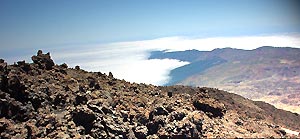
{"points": [[45, 100], [188, 55], [270, 74]]}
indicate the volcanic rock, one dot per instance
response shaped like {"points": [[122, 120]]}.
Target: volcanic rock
{"points": [[43, 60], [44, 100]]}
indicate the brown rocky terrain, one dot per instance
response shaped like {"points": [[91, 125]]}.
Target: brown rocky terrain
{"points": [[45, 100]]}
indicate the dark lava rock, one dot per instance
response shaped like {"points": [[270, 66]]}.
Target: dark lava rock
{"points": [[16, 88], [107, 110], [10, 108], [43, 60], [213, 111], [97, 86], [25, 66], [155, 124], [64, 65], [85, 118], [110, 75], [77, 67], [92, 82], [170, 94], [80, 99], [159, 111], [177, 116]]}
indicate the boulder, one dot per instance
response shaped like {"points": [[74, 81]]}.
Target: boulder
{"points": [[80, 99], [177, 116], [12, 109], [24, 66], [77, 67], [210, 107], [110, 75], [44, 61], [158, 111], [84, 117], [64, 65], [3, 65], [170, 94], [154, 125], [16, 88]]}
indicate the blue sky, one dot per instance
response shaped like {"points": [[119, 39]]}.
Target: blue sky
{"points": [[55, 23]]}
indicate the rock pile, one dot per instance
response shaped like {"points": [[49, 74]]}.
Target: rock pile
{"points": [[44, 100], [44, 61]]}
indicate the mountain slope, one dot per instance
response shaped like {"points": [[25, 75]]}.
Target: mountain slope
{"points": [[44, 100], [181, 73], [267, 73]]}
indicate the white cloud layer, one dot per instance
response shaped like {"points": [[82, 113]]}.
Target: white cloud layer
{"points": [[128, 60]]}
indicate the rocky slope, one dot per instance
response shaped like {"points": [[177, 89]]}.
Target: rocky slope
{"points": [[44, 100]]}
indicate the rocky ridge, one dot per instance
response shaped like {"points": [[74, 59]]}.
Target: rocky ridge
{"points": [[45, 100]]}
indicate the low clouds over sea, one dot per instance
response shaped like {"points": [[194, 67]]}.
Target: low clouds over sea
{"points": [[129, 60]]}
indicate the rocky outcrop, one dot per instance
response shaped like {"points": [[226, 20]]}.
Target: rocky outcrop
{"points": [[44, 61], [44, 100], [213, 109]]}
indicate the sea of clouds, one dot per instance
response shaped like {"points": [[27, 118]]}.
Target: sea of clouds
{"points": [[129, 60]]}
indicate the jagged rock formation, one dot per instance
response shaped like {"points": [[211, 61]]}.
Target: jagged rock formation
{"points": [[44, 100], [43, 60]]}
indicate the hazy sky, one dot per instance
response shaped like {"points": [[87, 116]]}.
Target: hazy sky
{"points": [[54, 23]]}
